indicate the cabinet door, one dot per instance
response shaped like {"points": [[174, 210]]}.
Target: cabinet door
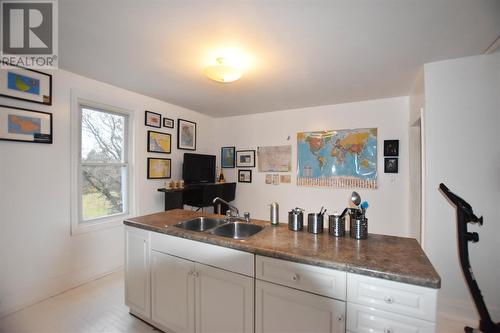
{"points": [[283, 309], [137, 267], [224, 301], [172, 292]]}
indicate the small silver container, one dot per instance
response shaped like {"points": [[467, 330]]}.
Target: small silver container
{"points": [[295, 220], [315, 223], [336, 225], [359, 228], [274, 213]]}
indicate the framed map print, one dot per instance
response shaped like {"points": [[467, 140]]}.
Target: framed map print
{"points": [[152, 119], [159, 142], [186, 134], [159, 168], [25, 84], [25, 125]]}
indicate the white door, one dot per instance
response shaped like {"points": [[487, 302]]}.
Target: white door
{"points": [[137, 292], [224, 301], [172, 293], [282, 309]]}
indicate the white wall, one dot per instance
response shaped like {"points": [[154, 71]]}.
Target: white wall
{"points": [[38, 256], [388, 212], [462, 121]]}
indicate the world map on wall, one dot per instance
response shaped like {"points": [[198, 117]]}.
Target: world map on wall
{"points": [[340, 158]]}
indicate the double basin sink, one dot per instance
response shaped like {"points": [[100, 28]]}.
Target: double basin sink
{"points": [[221, 227]]}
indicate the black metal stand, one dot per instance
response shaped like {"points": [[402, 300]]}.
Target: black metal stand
{"points": [[466, 215]]}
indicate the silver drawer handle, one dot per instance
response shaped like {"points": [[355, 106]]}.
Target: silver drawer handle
{"points": [[388, 330], [388, 300], [295, 277]]}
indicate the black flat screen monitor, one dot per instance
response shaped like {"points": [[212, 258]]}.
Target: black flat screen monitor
{"points": [[198, 168]]}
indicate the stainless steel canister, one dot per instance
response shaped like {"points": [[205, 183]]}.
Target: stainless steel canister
{"points": [[296, 219], [336, 225], [275, 213], [315, 223], [359, 228]]}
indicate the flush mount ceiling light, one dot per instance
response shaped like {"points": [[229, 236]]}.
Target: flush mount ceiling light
{"points": [[223, 71]]}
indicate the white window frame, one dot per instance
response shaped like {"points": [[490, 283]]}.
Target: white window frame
{"points": [[78, 225]]}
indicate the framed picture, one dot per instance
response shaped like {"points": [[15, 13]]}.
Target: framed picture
{"points": [[186, 134], [244, 176], [391, 165], [152, 119], [25, 84], [159, 142], [391, 147], [25, 125], [167, 122], [227, 155], [245, 158], [159, 168]]}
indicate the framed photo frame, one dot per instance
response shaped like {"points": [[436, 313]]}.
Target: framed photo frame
{"points": [[25, 84], [159, 168], [391, 147], [152, 119], [391, 165], [168, 123], [186, 134], [244, 176], [24, 125], [245, 158], [227, 156], [159, 142]]}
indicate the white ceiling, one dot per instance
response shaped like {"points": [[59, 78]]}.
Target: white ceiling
{"points": [[305, 53]]}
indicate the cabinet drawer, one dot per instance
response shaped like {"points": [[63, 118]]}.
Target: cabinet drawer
{"points": [[280, 309], [362, 319], [318, 280], [402, 298], [208, 254]]}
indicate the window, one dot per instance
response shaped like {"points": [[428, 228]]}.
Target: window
{"points": [[103, 164]]}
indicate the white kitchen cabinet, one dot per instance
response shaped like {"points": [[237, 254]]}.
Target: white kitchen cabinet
{"points": [[224, 301], [182, 290], [137, 270], [172, 293], [282, 309]]}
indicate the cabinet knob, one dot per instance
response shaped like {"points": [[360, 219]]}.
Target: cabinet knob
{"points": [[388, 300], [195, 274], [388, 330], [295, 277], [340, 318]]}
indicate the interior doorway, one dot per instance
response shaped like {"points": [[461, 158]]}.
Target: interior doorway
{"points": [[416, 179]]}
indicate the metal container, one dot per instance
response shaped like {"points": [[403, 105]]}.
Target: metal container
{"points": [[336, 225], [315, 223], [296, 219], [275, 213], [359, 228]]}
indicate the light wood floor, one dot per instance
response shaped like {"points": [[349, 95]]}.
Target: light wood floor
{"points": [[96, 307]]}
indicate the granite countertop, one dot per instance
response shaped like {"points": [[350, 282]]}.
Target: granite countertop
{"points": [[388, 257]]}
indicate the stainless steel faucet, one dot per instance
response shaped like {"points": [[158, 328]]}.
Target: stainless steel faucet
{"points": [[229, 214]]}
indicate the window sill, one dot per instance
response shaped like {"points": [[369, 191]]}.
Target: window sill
{"points": [[92, 226]]}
